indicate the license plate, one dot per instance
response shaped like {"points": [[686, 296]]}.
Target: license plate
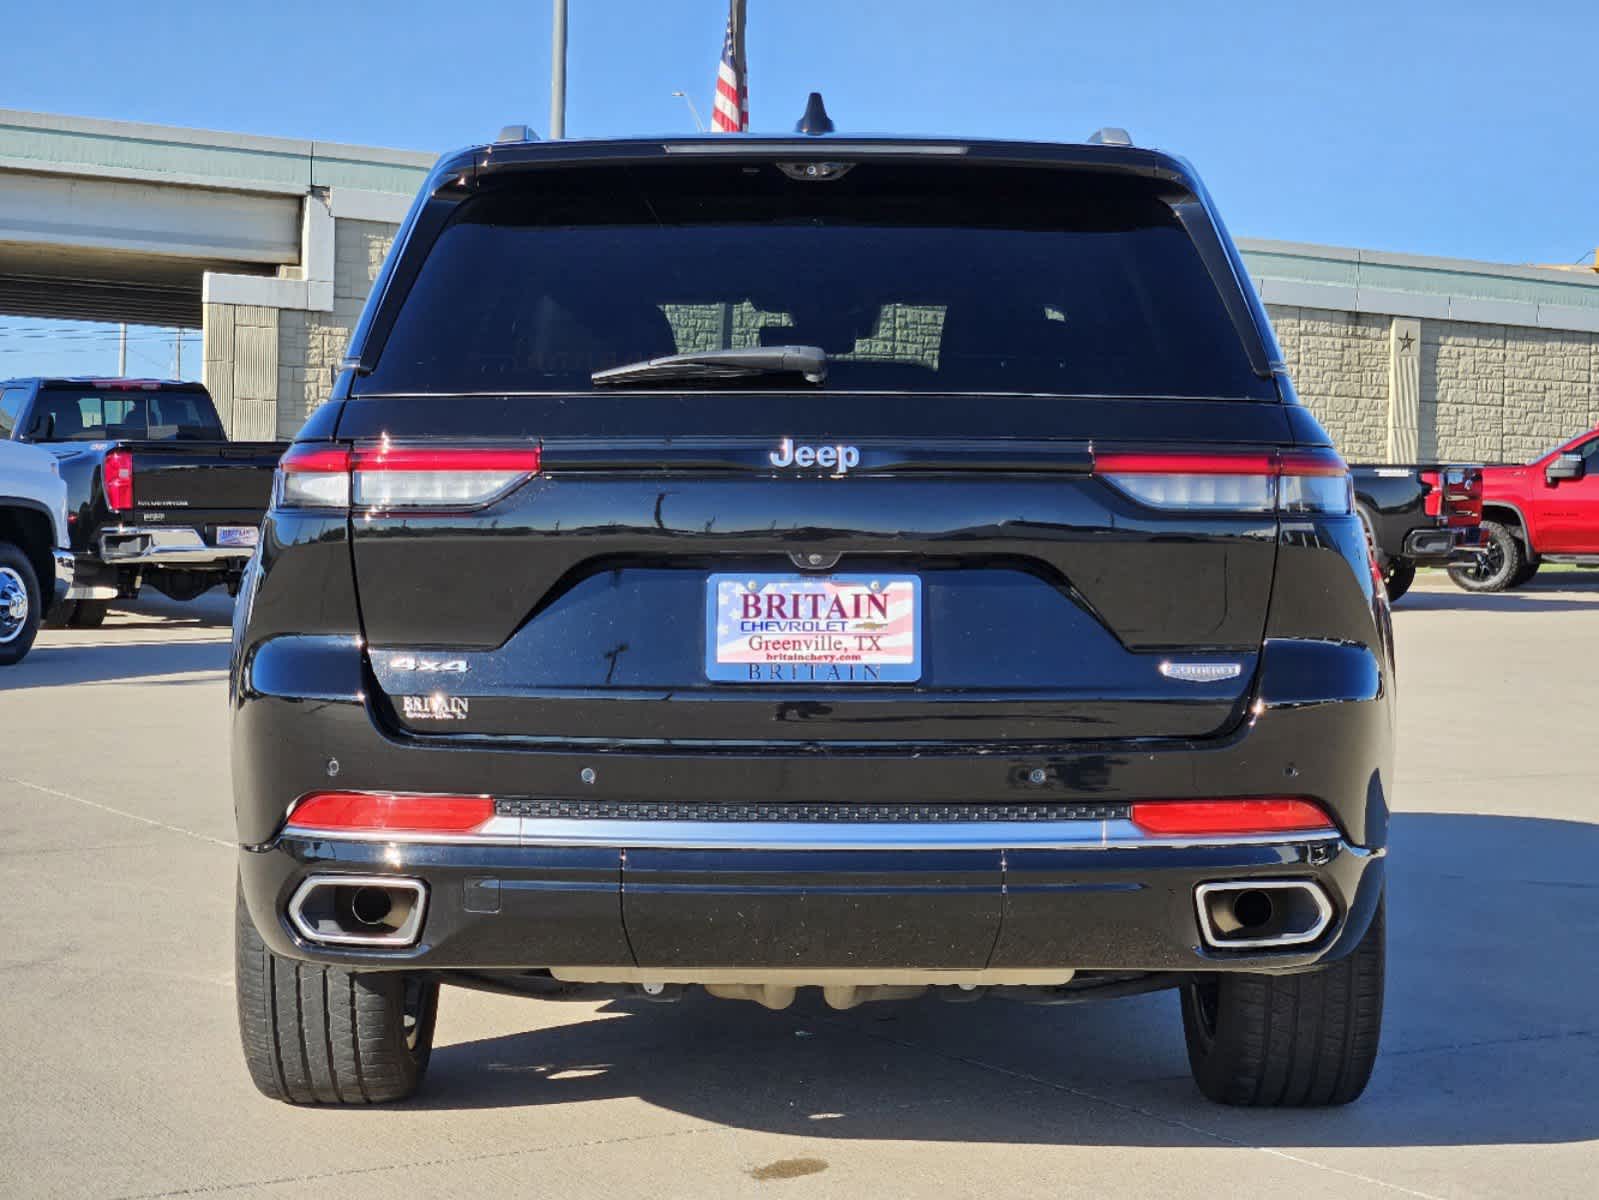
{"points": [[813, 628], [237, 535]]}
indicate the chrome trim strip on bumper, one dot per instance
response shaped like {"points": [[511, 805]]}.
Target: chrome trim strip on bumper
{"points": [[774, 835], [166, 544]]}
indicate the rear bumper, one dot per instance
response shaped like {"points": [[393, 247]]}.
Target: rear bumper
{"points": [[1438, 546], [177, 546], [608, 910]]}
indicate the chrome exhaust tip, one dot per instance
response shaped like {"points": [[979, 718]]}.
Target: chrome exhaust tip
{"points": [[358, 910], [1262, 914]]}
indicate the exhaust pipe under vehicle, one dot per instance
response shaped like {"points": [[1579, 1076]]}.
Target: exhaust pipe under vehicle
{"points": [[358, 910], [1260, 914]]}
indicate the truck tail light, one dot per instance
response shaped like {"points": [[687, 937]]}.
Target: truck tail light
{"points": [[1231, 817], [385, 476], [1453, 496], [383, 812], [119, 480], [1298, 481]]}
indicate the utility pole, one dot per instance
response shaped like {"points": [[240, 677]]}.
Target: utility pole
{"points": [[122, 351], [177, 354], [558, 73]]}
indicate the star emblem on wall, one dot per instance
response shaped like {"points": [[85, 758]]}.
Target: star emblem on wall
{"points": [[1406, 341]]}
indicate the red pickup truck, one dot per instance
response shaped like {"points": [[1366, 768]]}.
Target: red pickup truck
{"points": [[1545, 511]]}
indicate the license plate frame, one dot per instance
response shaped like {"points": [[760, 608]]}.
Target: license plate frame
{"points": [[241, 536], [840, 649]]}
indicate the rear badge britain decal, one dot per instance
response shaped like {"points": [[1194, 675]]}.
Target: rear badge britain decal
{"points": [[434, 708]]}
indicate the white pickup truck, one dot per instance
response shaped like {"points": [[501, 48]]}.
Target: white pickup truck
{"points": [[35, 563]]}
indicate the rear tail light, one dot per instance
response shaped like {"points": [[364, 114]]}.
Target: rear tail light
{"points": [[313, 477], [1232, 817], [380, 812], [1299, 481], [119, 480], [1454, 495], [401, 477]]}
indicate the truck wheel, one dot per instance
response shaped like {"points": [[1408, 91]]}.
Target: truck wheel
{"points": [[1496, 568], [1397, 577], [88, 614], [20, 607], [1397, 573], [1528, 570], [326, 1035], [1288, 1041]]}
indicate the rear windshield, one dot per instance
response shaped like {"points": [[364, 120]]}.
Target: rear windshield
{"points": [[86, 413], [952, 279]]}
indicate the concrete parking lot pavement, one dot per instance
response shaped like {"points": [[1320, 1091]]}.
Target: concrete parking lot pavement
{"points": [[120, 1073]]}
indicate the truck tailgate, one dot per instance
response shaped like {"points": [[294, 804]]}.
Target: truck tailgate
{"points": [[210, 480]]}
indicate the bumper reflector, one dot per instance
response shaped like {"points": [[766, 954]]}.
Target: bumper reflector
{"points": [[1247, 816], [381, 811]]}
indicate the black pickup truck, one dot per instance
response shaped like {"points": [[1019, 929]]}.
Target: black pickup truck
{"points": [[1426, 514], [156, 494]]}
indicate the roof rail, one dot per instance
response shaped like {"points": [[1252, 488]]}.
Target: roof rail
{"points": [[517, 133], [1110, 135]]}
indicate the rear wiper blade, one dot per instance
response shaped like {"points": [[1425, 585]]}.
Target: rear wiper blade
{"points": [[808, 362]]}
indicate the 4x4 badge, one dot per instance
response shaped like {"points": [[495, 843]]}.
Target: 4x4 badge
{"points": [[430, 666]]}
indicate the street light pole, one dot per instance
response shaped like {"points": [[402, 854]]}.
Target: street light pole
{"points": [[558, 73], [685, 98]]}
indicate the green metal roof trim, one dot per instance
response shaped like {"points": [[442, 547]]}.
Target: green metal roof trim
{"points": [[1374, 271], [53, 144]]}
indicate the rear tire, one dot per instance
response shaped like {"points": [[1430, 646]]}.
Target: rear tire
{"points": [[326, 1035], [1288, 1041], [1397, 577], [1528, 570], [20, 604], [88, 614], [1497, 567]]}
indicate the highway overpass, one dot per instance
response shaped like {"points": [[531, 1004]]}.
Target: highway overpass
{"points": [[268, 245]]}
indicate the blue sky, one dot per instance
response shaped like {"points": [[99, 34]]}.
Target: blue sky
{"points": [[1454, 127]]}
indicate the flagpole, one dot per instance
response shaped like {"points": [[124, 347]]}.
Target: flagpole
{"points": [[558, 73], [738, 48]]}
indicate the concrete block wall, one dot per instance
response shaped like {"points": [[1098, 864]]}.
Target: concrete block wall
{"points": [[1339, 364], [311, 345], [1489, 393]]}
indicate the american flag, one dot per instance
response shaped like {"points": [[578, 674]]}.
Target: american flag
{"points": [[730, 112]]}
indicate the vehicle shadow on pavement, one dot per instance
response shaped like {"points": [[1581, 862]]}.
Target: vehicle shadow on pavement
{"points": [[1491, 1035], [1520, 600], [210, 610], [109, 661]]}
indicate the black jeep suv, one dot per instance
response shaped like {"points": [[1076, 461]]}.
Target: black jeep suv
{"points": [[878, 565]]}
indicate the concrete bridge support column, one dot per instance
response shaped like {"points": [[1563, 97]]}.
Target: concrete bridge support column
{"points": [[273, 344]]}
